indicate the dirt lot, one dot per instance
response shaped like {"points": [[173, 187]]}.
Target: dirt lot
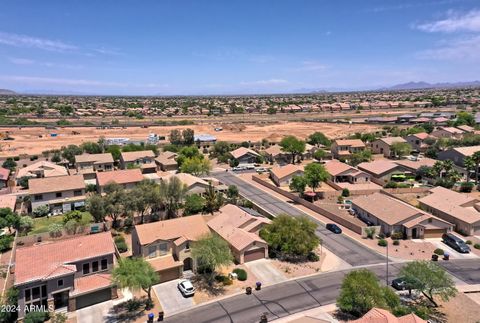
{"points": [[31, 140]]}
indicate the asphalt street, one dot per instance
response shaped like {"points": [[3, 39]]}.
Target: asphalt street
{"points": [[276, 301], [344, 247]]}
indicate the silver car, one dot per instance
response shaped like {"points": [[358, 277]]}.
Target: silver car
{"points": [[186, 288]]}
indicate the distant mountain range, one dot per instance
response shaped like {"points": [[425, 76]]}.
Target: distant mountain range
{"points": [[7, 92], [425, 85]]}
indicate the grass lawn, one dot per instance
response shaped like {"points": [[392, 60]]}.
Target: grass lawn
{"points": [[40, 225]]}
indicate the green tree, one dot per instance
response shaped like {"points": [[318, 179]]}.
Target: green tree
{"points": [[320, 154], [25, 224], [143, 197], [91, 147], [429, 279], [233, 193], [469, 163], [213, 199], [194, 204], [317, 138], [298, 184], [96, 206], [8, 218], [56, 158], [315, 174], [196, 166], [115, 150], [10, 164], [23, 181], [476, 159], [360, 157], [361, 291], [36, 317], [291, 238], [400, 149], [115, 202], [211, 253], [176, 137], [136, 274], [41, 211], [293, 146], [173, 193], [70, 152], [188, 137], [464, 118]]}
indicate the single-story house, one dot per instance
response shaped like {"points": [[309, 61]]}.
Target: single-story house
{"points": [[245, 155], [194, 184], [42, 169], [378, 315], [166, 161], [393, 215], [341, 172], [283, 175], [460, 209], [458, 154], [127, 178], [240, 229], [381, 169], [448, 132], [145, 160]]}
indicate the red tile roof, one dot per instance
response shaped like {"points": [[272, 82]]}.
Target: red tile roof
{"points": [[91, 283], [124, 176], [45, 259], [4, 173]]}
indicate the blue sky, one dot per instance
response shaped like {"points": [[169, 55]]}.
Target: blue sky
{"points": [[236, 46]]}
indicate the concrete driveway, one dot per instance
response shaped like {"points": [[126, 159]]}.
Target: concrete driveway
{"points": [[101, 312], [265, 272], [171, 299], [453, 253]]}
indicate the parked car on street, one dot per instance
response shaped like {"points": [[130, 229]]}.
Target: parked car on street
{"points": [[186, 288], [455, 243], [334, 228]]}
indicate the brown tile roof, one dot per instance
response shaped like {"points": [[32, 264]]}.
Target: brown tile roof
{"points": [[123, 176], [42, 260], [274, 150], [378, 167], [467, 151], [385, 208], [4, 173], [8, 200], [239, 152], [165, 160], [335, 167], [164, 262], [55, 184], [284, 171], [131, 156], [452, 130], [187, 179], [391, 140], [455, 204], [421, 135], [190, 227], [378, 315], [94, 158], [49, 169], [415, 165], [466, 128], [350, 142], [91, 283]]}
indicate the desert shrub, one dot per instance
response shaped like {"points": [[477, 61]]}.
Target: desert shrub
{"points": [[397, 235], [370, 232], [466, 187], [468, 242], [312, 256], [476, 246], [391, 185], [55, 230], [241, 274], [382, 243], [120, 243], [439, 251], [16, 158], [396, 242], [345, 192], [381, 235], [6, 242]]}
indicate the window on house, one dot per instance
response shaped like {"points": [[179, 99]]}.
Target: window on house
{"points": [[430, 220], [94, 266], [104, 264], [187, 245], [38, 197], [86, 268], [152, 251], [35, 292], [77, 193], [163, 247], [60, 283], [27, 295], [58, 194]]}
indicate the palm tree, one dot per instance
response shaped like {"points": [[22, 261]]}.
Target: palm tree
{"points": [[213, 199], [469, 166], [476, 159]]}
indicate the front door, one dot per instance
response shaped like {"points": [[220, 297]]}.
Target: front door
{"points": [[60, 300], [414, 233]]}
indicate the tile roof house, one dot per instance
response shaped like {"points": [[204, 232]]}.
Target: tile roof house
{"points": [[282, 175], [166, 244], [417, 141], [413, 165], [166, 161], [344, 148], [61, 193], [194, 184], [4, 175], [381, 169], [458, 154], [245, 155], [127, 178], [276, 154], [460, 209], [384, 145], [88, 164], [144, 159], [378, 315], [8, 200], [240, 229], [70, 273], [397, 216], [42, 169], [448, 132], [341, 172]]}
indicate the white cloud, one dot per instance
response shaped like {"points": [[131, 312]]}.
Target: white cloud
{"points": [[107, 51], [27, 61], [454, 22], [459, 49], [17, 40], [311, 66], [266, 82]]}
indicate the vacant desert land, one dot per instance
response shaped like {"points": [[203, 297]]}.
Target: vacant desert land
{"points": [[31, 140]]}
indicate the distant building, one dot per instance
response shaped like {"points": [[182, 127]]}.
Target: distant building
{"points": [[42, 169], [127, 178], [145, 160], [282, 176], [89, 164], [204, 140], [344, 148], [245, 155], [458, 154], [383, 145]]}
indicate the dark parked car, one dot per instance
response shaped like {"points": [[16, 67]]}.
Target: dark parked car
{"points": [[399, 284], [334, 228], [455, 243]]}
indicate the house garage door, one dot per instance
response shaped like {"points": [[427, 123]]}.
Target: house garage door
{"points": [[434, 233], [254, 254], [169, 274], [94, 298]]}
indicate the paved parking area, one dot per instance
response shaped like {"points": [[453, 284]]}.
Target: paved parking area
{"points": [[95, 313], [171, 299], [265, 272], [453, 253]]}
